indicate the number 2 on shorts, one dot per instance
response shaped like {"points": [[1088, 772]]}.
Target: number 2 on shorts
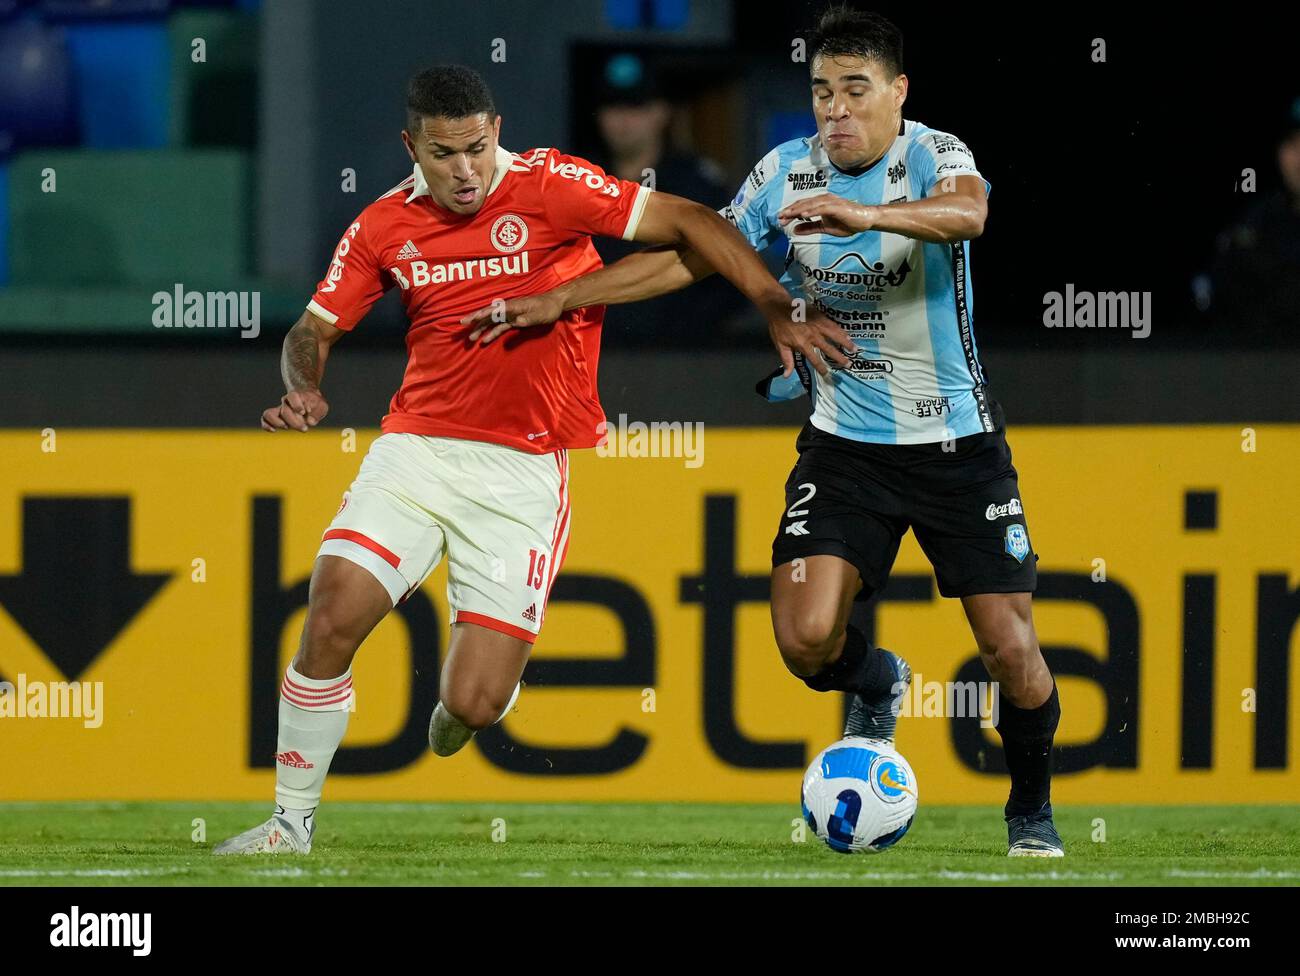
{"points": [[812, 490]]}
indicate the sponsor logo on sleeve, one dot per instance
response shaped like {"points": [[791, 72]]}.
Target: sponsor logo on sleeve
{"points": [[760, 174], [337, 266], [583, 174], [948, 144], [951, 154]]}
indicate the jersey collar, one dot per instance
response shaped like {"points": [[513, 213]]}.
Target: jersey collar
{"points": [[504, 159]]}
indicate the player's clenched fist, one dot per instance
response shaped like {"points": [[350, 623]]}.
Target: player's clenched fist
{"points": [[298, 409]]}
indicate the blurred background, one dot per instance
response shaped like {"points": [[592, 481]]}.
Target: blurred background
{"points": [[150, 145], [226, 145]]}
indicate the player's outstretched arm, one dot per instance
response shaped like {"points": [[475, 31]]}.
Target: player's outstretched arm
{"points": [[646, 274], [302, 365], [714, 243], [695, 243], [955, 211]]}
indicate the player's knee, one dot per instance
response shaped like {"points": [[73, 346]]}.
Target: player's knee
{"points": [[329, 641], [806, 641], [1010, 655], [475, 707]]}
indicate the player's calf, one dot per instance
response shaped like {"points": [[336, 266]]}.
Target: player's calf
{"points": [[478, 707], [1029, 711], [449, 732], [478, 685]]}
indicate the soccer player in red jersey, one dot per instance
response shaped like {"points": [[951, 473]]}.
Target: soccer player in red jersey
{"points": [[473, 459]]}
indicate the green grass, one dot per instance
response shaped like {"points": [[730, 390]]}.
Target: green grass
{"points": [[636, 844]]}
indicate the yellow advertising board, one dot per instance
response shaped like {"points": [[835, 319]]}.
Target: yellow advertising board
{"points": [[167, 570]]}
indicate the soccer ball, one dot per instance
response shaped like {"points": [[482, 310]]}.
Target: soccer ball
{"points": [[859, 796]]}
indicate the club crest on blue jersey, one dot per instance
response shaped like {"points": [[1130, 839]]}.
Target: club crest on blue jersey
{"points": [[1017, 542]]}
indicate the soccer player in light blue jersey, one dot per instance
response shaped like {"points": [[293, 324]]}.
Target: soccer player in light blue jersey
{"points": [[877, 213]]}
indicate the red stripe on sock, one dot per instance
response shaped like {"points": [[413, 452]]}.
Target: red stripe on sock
{"points": [[293, 699], [324, 690]]}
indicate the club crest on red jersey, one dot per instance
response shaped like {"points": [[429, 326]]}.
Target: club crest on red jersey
{"points": [[509, 233]]}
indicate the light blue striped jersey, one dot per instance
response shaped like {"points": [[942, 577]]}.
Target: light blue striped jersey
{"points": [[916, 377]]}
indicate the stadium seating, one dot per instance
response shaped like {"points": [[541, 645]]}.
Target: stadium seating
{"points": [[158, 189], [36, 91]]}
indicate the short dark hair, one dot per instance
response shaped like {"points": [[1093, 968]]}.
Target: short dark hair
{"points": [[843, 31], [446, 91]]}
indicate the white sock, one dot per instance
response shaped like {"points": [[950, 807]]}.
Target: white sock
{"points": [[313, 717], [301, 822]]}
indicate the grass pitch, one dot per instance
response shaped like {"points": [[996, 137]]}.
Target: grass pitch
{"points": [[110, 844]]}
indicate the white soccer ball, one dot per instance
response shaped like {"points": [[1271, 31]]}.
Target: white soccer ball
{"points": [[859, 796]]}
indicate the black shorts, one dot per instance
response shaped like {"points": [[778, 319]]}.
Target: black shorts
{"points": [[854, 500]]}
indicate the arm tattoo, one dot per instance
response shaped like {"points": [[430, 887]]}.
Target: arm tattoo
{"points": [[300, 360]]}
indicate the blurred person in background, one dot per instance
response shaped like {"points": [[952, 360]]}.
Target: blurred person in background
{"points": [[1256, 276], [634, 119]]}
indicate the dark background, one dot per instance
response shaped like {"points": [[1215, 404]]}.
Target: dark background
{"points": [[1112, 176]]}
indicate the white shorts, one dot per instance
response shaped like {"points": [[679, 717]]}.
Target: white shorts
{"points": [[501, 515]]}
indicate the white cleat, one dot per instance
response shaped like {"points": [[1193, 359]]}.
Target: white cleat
{"points": [[276, 836], [448, 735]]}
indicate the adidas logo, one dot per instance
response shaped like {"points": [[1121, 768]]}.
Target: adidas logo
{"points": [[531, 613], [408, 251], [293, 760]]}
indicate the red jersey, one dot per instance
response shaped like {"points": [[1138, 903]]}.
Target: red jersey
{"points": [[533, 389]]}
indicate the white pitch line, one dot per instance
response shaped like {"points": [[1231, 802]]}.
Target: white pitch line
{"points": [[301, 872], [92, 873], [1259, 873], [842, 875]]}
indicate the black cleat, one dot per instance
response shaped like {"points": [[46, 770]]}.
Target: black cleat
{"points": [[877, 718], [1034, 835]]}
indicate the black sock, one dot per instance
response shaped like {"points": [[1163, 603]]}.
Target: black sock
{"points": [[860, 668], [1027, 735]]}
